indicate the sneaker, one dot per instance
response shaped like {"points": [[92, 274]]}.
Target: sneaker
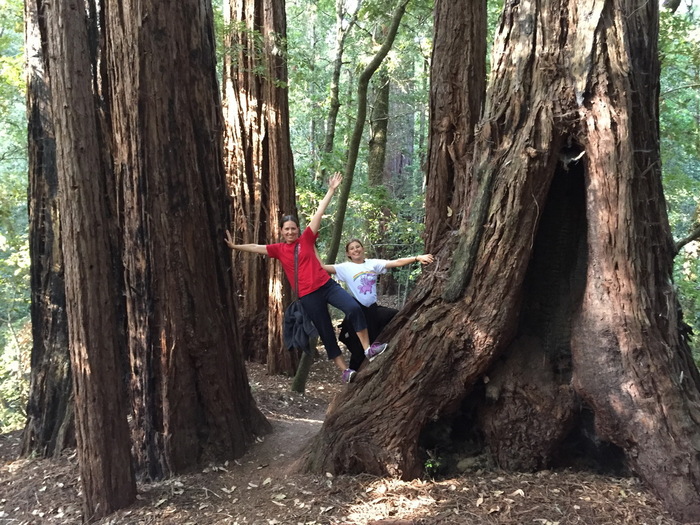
{"points": [[348, 375], [374, 350]]}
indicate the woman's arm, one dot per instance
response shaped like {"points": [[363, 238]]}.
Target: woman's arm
{"points": [[252, 248], [423, 259], [328, 267], [333, 183]]}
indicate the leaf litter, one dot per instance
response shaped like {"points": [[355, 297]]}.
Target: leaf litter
{"points": [[261, 488]]}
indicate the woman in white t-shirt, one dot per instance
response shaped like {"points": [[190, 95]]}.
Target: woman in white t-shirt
{"points": [[360, 276]]}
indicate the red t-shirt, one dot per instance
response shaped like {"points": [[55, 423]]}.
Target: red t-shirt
{"points": [[311, 274]]}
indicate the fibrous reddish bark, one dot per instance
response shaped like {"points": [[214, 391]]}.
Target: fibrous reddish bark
{"points": [[190, 392], [260, 169], [106, 471], [50, 423]]}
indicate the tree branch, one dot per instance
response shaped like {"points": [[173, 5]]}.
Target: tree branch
{"points": [[693, 236]]}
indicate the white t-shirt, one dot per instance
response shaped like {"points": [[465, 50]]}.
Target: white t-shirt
{"points": [[361, 279]]}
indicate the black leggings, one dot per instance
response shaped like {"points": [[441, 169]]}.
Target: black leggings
{"points": [[316, 307], [377, 318]]}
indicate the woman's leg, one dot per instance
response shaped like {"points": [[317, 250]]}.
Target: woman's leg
{"points": [[352, 310], [316, 307], [377, 319]]}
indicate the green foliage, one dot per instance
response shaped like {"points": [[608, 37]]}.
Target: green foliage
{"points": [[14, 377], [687, 269], [15, 334], [434, 465], [679, 106]]}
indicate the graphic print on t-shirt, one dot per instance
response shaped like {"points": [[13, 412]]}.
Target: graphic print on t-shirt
{"points": [[367, 282]]}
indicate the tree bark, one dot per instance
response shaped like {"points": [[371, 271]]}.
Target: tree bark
{"points": [[457, 87], [106, 473], [260, 169], [50, 423], [191, 398], [379, 124], [559, 276]]}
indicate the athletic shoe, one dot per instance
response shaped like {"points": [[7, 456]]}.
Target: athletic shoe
{"points": [[348, 375], [374, 350]]}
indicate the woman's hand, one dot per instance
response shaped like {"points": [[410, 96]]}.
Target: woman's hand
{"points": [[229, 240], [425, 258], [335, 180]]}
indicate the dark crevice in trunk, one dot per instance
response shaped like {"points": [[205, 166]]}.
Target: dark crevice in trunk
{"points": [[556, 273], [582, 449], [529, 416], [455, 443]]}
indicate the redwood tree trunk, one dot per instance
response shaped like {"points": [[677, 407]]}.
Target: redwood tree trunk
{"points": [[457, 86], [555, 296], [260, 170], [106, 473], [189, 384], [50, 423]]}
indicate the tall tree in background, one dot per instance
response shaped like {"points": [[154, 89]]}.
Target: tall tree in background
{"points": [[106, 473], [357, 133], [378, 126], [49, 428], [345, 20], [260, 168], [190, 392], [555, 296]]}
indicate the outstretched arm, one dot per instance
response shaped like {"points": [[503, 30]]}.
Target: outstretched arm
{"points": [[252, 248], [330, 268], [333, 183], [423, 259]]}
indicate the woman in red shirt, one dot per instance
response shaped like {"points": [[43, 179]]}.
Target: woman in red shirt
{"points": [[316, 289]]}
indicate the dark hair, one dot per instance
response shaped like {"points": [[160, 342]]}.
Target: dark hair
{"points": [[352, 241], [287, 218]]}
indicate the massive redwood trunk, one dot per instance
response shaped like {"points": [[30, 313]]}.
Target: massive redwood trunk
{"points": [[49, 428], [191, 397], [260, 169], [554, 299], [106, 472]]}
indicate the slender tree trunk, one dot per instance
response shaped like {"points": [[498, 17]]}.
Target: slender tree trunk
{"points": [[556, 296], [377, 175], [106, 473], [356, 138], [50, 423], [260, 169], [379, 124], [343, 27], [190, 389]]}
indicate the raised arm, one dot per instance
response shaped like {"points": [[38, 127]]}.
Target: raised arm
{"points": [[252, 248], [333, 183], [423, 259]]}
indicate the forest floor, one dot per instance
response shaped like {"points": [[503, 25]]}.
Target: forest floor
{"points": [[261, 488]]}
